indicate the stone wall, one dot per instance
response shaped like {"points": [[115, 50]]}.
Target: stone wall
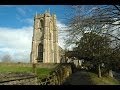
{"points": [[22, 81], [18, 79], [58, 76]]}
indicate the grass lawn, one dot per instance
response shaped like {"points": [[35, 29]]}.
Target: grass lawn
{"points": [[89, 78], [103, 80], [41, 72], [12, 68]]}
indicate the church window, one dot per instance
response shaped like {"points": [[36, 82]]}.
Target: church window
{"points": [[41, 23], [40, 51], [50, 26]]}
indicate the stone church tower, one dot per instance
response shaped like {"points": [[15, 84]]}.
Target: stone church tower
{"points": [[45, 39]]}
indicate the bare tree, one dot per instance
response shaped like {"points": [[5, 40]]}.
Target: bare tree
{"points": [[101, 19], [6, 58]]}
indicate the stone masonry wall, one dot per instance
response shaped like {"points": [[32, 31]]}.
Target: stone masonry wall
{"points": [[30, 81], [18, 79], [58, 76]]}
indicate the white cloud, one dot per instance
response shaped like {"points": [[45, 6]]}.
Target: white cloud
{"points": [[117, 22], [61, 26], [18, 42], [21, 11], [29, 21], [62, 33]]}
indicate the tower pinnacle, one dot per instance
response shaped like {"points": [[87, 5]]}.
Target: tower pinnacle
{"points": [[49, 10], [36, 14]]}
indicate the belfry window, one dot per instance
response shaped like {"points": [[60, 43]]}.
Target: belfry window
{"points": [[41, 23], [50, 26], [40, 51]]}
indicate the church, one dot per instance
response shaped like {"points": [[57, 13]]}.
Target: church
{"points": [[45, 46]]}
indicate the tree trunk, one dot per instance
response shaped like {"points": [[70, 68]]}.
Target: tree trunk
{"points": [[99, 71], [110, 73]]}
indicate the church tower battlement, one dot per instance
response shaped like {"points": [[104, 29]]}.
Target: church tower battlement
{"points": [[45, 39]]}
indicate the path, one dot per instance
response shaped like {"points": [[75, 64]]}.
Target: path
{"points": [[116, 75], [78, 78]]}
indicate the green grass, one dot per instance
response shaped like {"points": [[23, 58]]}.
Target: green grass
{"points": [[5, 68], [103, 80], [41, 72]]}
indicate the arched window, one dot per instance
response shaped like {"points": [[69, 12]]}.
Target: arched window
{"points": [[50, 26], [40, 47], [50, 37], [41, 23], [40, 52]]}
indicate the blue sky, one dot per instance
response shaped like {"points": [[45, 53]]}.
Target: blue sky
{"points": [[10, 15], [16, 28]]}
